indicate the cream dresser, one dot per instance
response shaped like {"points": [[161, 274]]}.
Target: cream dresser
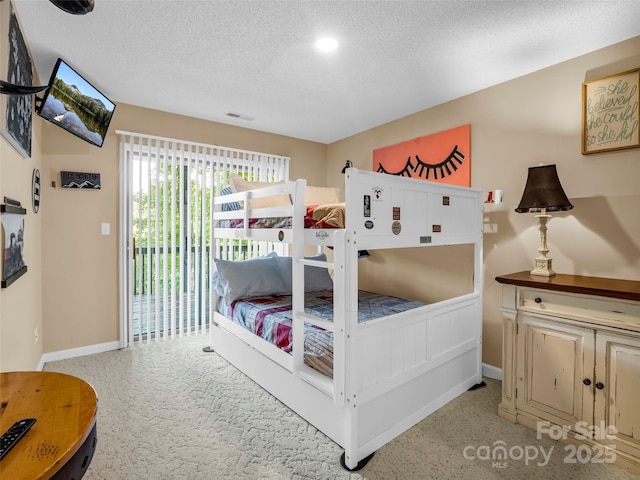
{"points": [[571, 362]]}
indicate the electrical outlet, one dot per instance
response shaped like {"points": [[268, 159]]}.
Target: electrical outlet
{"points": [[35, 335]]}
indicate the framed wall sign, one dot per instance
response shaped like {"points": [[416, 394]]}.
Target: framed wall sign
{"points": [[80, 180], [610, 113]]}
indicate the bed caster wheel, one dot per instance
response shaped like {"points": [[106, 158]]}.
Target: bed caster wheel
{"points": [[208, 349], [360, 464]]}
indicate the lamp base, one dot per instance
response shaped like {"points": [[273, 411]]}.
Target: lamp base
{"points": [[542, 267]]}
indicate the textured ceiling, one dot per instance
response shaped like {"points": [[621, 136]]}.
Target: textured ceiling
{"points": [[257, 58]]}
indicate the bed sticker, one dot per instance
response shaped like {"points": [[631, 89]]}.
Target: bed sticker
{"points": [[396, 213], [368, 224], [281, 235], [377, 193], [321, 234], [395, 227], [367, 205]]}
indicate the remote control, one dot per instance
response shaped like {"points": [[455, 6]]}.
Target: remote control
{"points": [[15, 433]]}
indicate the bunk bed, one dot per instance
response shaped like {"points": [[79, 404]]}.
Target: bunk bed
{"points": [[387, 373]]}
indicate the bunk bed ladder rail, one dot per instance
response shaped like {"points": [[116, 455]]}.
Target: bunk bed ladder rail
{"points": [[333, 387]]}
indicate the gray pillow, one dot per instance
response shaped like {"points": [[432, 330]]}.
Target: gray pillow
{"points": [[249, 278], [315, 278]]}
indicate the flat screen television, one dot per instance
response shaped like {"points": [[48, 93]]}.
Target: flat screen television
{"points": [[75, 105]]}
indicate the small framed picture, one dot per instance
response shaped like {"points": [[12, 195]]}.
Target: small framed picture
{"points": [[13, 265]]}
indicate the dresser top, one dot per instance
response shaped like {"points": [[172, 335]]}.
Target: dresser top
{"points": [[604, 287]]}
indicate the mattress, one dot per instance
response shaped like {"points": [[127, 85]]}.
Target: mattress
{"points": [[316, 216], [270, 318]]}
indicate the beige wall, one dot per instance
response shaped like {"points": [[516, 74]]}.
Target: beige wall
{"points": [[531, 120], [21, 302], [80, 270], [71, 289]]}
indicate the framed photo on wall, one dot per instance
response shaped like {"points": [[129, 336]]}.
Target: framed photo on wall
{"points": [[15, 110], [13, 266], [610, 113]]}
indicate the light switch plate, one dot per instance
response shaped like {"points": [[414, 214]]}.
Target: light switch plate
{"points": [[106, 228]]}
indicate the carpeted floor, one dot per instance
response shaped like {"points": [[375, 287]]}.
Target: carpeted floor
{"points": [[171, 411]]}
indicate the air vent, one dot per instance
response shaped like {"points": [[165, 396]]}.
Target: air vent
{"points": [[239, 116]]}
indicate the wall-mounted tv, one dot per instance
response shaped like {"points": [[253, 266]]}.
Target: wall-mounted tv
{"points": [[75, 105]]}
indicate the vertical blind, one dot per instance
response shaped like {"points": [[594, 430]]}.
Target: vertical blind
{"points": [[167, 249]]}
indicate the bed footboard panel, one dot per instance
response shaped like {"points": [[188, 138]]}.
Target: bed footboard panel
{"points": [[413, 401], [410, 366], [393, 350]]}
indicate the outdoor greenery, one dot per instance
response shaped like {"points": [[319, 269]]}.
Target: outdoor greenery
{"points": [[183, 193]]}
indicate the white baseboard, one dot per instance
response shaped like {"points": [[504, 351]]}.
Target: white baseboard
{"points": [[487, 370], [491, 372], [77, 352]]}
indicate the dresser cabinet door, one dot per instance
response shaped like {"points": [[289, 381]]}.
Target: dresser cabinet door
{"points": [[618, 390], [555, 371]]}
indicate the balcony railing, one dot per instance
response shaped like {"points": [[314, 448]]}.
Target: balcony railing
{"points": [[149, 262], [162, 300]]}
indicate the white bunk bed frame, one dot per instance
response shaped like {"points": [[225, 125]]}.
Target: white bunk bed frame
{"points": [[389, 373]]}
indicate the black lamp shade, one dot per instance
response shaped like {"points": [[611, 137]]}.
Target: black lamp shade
{"points": [[543, 191], [74, 7]]}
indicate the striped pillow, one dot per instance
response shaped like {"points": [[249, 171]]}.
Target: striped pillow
{"points": [[231, 206]]}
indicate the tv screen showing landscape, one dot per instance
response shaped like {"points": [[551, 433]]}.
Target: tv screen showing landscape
{"points": [[75, 105]]}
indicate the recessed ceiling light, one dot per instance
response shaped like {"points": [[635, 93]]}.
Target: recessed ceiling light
{"points": [[326, 44]]}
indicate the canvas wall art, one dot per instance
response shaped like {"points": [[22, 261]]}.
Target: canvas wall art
{"points": [[440, 157], [15, 110]]}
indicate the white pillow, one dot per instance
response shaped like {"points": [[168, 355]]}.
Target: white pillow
{"points": [[239, 184]]}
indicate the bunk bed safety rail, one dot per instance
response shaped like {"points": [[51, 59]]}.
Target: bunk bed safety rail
{"points": [[275, 209]]}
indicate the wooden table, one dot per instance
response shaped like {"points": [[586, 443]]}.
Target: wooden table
{"points": [[62, 441]]}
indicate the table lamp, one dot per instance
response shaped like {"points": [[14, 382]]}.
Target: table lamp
{"points": [[543, 193]]}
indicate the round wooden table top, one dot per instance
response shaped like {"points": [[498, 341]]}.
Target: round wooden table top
{"points": [[65, 408]]}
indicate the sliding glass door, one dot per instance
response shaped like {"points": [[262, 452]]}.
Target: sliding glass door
{"points": [[167, 253]]}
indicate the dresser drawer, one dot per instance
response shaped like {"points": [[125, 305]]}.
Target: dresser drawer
{"points": [[582, 307]]}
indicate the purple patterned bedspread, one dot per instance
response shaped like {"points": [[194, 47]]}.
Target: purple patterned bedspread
{"points": [[270, 318]]}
